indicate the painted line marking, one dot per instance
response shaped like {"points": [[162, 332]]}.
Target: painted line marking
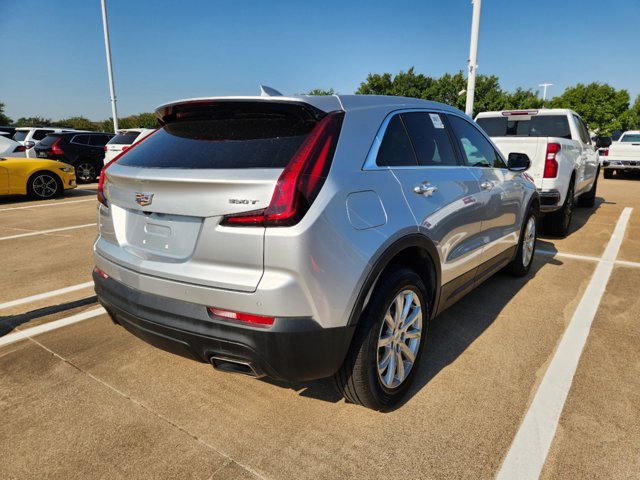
{"points": [[57, 204], [528, 452], [42, 296], [44, 232], [574, 256], [47, 327]]}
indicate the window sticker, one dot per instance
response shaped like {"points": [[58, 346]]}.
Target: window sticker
{"points": [[435, 119]]}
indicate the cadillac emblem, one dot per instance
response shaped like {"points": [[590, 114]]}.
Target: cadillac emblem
{"points": [[144, 199]]}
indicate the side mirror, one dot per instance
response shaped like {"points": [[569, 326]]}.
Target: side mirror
{"points": [[603, 142], [518, 162]]}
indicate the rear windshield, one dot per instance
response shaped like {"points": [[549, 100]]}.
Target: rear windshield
{"points": [[48, 140], [124, 138], [536, 126], [630, 137], [20, 135], [226, 136]]}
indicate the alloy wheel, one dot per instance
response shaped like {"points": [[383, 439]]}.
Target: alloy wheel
{"points": [[45, 186]]}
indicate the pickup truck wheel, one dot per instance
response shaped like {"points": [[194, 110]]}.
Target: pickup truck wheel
{"points": [[388, 342], [558, 223], [588, 199], [608, 173], [521, 264]]}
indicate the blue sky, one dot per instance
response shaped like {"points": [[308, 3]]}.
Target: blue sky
{"points": [[54, 60]]}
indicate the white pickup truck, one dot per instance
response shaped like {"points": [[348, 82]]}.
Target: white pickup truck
{"points": [[564, 163], [623, 155]]}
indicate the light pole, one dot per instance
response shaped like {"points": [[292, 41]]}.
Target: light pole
{"points": [[473, 56], [107, 46], [544, 91]]}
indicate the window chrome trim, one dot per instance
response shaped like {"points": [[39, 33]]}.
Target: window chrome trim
{"points": [[370, 161]]}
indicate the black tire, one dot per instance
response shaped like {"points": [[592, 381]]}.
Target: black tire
{"points": [[588, 199], [521, 264], [87, 171], [608, 173], [358, 379], [44, 185], [559, 222]]}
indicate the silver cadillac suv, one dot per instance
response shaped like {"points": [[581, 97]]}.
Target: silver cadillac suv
{"points": [[308, 237]]}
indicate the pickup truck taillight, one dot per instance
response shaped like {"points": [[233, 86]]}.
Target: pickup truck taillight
{"points": [[606, 152], [550, 162]]}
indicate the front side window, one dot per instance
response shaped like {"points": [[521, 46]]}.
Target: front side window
{"points": [[476, 149], [395, 149]]}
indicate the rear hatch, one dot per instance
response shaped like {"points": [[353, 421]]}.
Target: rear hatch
{"points": [[122, 141], [168, 193]]}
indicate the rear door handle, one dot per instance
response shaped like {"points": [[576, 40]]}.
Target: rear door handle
{"points": [[486, 185], [425, 189]]}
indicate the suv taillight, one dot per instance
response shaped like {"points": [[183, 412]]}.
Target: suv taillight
{"points": [[300, 181], [550, 162], [55, 149], [101, 198], [20, 148]]}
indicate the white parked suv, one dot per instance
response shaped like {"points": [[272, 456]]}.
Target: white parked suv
{"points": [[123, 141], [29, 136], [564, 163]]}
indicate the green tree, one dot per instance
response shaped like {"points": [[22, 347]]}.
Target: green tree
{"points": [[404, 84], [141, 120], [79, 123], [320, 91], [601, 106], [631, 118], [33, 122], [4, 120], [522, 99]]}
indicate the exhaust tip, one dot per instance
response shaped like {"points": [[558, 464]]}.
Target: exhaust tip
{"points": [[230, 365]]}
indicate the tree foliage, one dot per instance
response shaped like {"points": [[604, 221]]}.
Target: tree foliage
{"points": [[4, 120], [141, 120], [78, 123], [320, 91], [601, 106], [33, 122]]}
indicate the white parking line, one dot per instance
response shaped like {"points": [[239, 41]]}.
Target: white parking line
{"points": [[530, 447], [44, 232], [47, 327], [574, 256], [42, 296], [40, 205]]}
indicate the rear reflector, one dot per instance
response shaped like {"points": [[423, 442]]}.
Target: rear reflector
{"points": [[550, 163], [101, 272], [300, 181], [242, 317]]}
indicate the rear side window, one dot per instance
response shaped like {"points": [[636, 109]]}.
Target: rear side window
{"points": [[395, 149], [527, 126], [476, 149], [430, 139], [81, 139], [226, 135], [40, 134], [99, 140], [124, 138]]}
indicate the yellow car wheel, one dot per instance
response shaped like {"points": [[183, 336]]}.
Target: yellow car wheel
{"points": [[42, 185]]}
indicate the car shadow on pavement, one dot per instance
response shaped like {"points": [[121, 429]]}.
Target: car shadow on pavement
{"points": [[579, 219]]}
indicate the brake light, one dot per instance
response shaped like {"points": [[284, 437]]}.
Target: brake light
{"points": [[105, 148], [300, 181], [606, 152], [20, 148], [242, 317], [101, 197], [550, 163], [55, 149]]}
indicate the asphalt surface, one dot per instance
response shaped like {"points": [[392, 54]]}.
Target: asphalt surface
{"points": [[90, 400]]}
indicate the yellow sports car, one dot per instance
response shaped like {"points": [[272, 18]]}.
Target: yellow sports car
{"points": [[38, 178]]}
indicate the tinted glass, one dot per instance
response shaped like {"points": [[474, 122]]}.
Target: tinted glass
{"points": [[536, 126], [99, 140], [429, 139], [396, 149], [226, 136], [124, 138], [81, 139], [630, 138], [40, 134], [20, 135], [48, 140], [476, 149]]}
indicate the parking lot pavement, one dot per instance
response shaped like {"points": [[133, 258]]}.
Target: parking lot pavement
{"points": [[91, 400]]}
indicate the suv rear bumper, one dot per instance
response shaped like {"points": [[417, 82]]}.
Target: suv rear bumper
{"points": [[292, 349]]}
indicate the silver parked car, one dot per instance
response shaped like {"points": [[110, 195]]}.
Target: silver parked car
{"points": [[307, 237]]}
